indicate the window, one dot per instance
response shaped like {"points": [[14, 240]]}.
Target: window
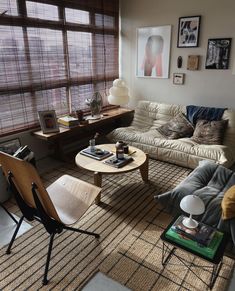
{"points": [[77, 16], [8, 7], [42, 11], [54, 55]]}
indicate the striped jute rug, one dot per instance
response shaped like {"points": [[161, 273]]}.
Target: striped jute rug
{"points": [[129, 251]]}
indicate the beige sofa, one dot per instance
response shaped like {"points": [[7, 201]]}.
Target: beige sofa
{"points": [[142, 134]]}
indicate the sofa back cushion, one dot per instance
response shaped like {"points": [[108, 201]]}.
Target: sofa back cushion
{"points": [[153, 114]]}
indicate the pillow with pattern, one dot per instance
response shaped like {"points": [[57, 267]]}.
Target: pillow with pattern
{"points": [[177, 127], [210, 132]]}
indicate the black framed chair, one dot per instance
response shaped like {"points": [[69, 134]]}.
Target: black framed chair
{"points": [[62, 204]]}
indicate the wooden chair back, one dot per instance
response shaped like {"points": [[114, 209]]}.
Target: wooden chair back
{"points": [[24, 175]]}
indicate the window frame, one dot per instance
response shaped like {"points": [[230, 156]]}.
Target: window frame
{"points": [[21, 20]]}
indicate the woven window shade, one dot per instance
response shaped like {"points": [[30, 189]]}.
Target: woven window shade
{"points": [[54, 55]]}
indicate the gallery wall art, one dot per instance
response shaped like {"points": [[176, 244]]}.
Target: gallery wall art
{"points": [[153, 51], [188, 31], [218, 52]]}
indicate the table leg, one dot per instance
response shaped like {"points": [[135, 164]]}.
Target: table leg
{"points": [[144, 169], [98, 182]]}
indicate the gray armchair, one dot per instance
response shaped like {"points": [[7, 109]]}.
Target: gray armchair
{"points": [[209, 181]]}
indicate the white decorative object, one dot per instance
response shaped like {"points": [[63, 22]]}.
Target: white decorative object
{"points": [[118, 93], [193, 205]]}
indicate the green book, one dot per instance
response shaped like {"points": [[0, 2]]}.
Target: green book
{"points": [[208, 252]]}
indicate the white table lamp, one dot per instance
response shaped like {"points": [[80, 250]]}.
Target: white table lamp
{"points": [[118, 93], [193, 205]]}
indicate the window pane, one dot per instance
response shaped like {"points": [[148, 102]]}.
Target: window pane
{"points": [[103, 88], [77, 16], [16, 112], [79, 94], [42, 11], [80, 53], [52, 99], [46, 54], [106, 51], [13, 66], [105, 21], [9, 7]]}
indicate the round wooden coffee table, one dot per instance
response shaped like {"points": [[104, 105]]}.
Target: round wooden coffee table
{"points": [[99, 167]]}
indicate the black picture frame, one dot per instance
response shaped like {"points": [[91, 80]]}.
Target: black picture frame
{"points": [[218, 53], [188, 31]]}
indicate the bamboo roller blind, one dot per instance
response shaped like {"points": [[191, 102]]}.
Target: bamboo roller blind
{"points": [[54, 55]]}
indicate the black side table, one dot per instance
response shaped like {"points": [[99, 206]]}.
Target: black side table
{"points": [[169, 247]]}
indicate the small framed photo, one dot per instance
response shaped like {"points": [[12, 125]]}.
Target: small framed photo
{"points": [[188, 31], [10, 146], [193, 63], [48, 121], [218, 52], [178, 78]]}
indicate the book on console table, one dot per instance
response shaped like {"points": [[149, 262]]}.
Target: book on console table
{"points": [[97, 154], [118, 163], [68, 121]]}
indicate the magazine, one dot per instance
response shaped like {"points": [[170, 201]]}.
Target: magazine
{"points": [[118, 163], [202, 234], [97, 154]]}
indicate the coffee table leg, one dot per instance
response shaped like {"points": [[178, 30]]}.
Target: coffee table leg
{"points": [[144, 169], [98, 182]]}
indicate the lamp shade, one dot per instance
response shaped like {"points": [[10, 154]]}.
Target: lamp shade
{"points": [[192, 204], [118, 93]]}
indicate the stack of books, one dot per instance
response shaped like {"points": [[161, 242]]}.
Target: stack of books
{"points": [[118, 163], [203, 239], [68, 121], [97, 154], [202, 234]]}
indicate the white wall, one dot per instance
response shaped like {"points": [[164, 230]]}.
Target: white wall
{"points": [[202, 87]]}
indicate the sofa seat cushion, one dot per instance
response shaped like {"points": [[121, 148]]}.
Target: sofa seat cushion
{"points": [[209, 181], [183, 151]]}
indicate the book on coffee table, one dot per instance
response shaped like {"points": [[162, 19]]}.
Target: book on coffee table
{"points": [[97, 154], [118, 163]]}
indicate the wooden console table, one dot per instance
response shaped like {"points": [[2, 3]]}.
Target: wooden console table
{"points": [[111, 119]]}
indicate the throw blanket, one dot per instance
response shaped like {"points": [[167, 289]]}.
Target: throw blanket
{"points": [[208, 113]]}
